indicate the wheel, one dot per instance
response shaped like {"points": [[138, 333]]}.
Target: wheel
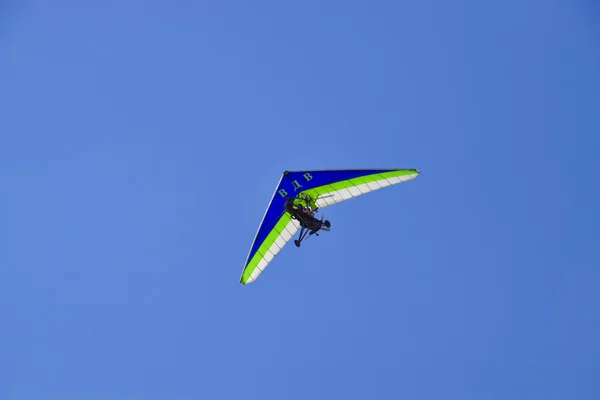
{"points": [[327, 224], [297, 243]]}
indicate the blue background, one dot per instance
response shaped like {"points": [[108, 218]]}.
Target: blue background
{"points": [[141, 141]]}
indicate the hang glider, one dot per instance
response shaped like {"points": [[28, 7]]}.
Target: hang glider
{"points": [[299, 194]]}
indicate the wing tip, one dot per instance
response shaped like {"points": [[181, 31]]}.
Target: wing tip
{"points": [[243, 280]]}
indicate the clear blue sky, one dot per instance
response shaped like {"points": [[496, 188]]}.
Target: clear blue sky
{"points": [[140, 143]]}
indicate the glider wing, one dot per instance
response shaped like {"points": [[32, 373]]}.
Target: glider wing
{"points": [[325, 187]]}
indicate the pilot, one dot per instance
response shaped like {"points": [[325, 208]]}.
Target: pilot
{"points": [[291, 207]]}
